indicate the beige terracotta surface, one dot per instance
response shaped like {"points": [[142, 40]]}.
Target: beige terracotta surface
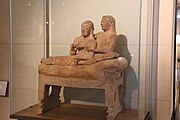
{"points": [[89, 66]]}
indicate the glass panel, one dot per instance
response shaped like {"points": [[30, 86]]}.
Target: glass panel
{"points": [[52, 25], [146, 58], [65, 18], [177, 65], [27, 51]]}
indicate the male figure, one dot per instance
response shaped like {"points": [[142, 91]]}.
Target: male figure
{"points": [[79, 52], [106, 40]]}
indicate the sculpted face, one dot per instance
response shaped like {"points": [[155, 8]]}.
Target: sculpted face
{"points": [[105, 24], [86, 29]]}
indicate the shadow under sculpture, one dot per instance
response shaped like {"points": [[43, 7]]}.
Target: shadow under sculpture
{"points": [[92, 64]]}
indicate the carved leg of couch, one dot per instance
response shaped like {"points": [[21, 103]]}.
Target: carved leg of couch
{"points": [[118, 100], [113, 100], [109, 101], [43, 92], [47, 101], [121, 97]]}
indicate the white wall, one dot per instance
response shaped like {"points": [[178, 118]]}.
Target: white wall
{"points": [[165, 59]]}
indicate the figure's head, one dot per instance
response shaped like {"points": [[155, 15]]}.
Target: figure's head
{"points": [[87, 28], [107, 22]]}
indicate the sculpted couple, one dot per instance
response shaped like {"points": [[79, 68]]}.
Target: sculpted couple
{"points": [[89, 48]]}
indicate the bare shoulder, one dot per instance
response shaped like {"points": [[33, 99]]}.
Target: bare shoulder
{"points": [[99, 34], [114, 36], [92, 41], [77, 39]]}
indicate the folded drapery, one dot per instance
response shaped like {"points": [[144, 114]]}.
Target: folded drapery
{"points": [[85, 71]]}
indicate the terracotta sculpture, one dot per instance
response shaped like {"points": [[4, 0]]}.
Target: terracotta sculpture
{"points": [[106, 40], [79, 49], [84, 49], [91, 64]]}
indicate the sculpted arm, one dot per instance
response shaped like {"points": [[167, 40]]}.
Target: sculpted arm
{"points": [[89, 54], [106, 46], [73, 46], [112, 43]]}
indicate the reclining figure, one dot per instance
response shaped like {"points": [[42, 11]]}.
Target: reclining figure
{"points": [[85, 49], [92, 63]]}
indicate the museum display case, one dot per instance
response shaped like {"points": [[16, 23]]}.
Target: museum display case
{"points": [[175, 114], [46, 28]]}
